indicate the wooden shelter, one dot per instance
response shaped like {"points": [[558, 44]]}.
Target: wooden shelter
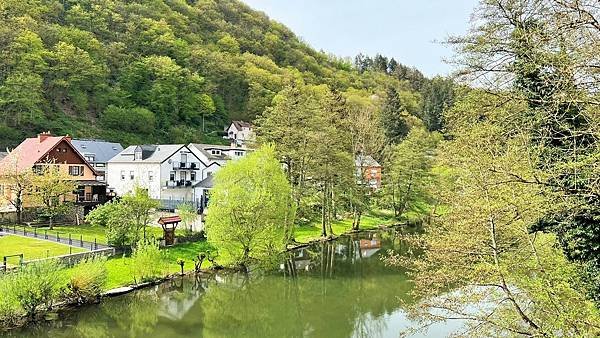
{"points": [[169, 224]]}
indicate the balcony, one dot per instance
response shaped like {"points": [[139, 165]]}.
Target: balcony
{"points": [[178, 184], [186, 166], [91, 198]]}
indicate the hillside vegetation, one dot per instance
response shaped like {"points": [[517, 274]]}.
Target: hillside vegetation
{"points": [[163, 70]]}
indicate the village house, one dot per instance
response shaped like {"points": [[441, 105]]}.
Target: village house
{"points": [[97, 153], [214, 156], [240, 133], [368, 171], [168, 171], [44, 150]]}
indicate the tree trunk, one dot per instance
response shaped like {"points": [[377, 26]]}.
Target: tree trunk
{"points": [[330, 211], [324, 212]]}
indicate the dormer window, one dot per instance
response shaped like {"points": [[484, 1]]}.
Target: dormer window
{"points": [[215, 152], [137, 156]]}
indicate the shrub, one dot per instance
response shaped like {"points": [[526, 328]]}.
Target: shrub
{"points": [[37, 284], [87, 280], [10, 309], [148, 261]]}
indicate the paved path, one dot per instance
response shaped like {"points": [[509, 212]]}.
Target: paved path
{"points": [[75, 241]]}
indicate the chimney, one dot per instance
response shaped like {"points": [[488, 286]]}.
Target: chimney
{"points": [[43, 136]]}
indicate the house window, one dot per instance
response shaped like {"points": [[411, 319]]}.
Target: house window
{"points": [[75, 170], [100, 178], [90, 158], [215, 152], [122, 175], [172, 176], [183, 175], [239, 153], [183, 158], [131, 175], [151, 176], [208, 174], [193, 176], [100, 165], [137, 156]]}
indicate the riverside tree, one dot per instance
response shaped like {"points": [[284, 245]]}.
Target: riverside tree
{"points": [[543, 55], [409, 173], [482, 246], [250, 212], [310, 129]]}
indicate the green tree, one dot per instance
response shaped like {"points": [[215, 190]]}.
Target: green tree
{"points": [[140, 207], [52, 188], [535, 54], [409, 172], [17, 184], [398, 114], [250, 211], [482, 244]]}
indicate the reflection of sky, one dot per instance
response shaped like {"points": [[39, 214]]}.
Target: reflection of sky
{"points": [[390, 325]]}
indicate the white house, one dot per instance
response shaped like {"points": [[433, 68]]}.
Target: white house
{"points": [[214, 157], [240, 133], [168, 171]]}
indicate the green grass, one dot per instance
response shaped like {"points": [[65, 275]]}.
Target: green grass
{"points": [[88, 232], [32, 248], [120, 267], [372, 220]]}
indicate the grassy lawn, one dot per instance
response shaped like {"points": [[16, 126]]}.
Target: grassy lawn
{"points": [[88, 232], [31, 248], [120, 267], [372, 220]]}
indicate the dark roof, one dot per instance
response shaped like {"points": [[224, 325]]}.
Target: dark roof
{"points": [[147, 150], [103, 151], [242, 124], [206, 150], [150, 153], [206, 183], [362, 161], [169, 220]]}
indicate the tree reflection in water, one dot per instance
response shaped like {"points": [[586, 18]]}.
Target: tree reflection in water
{"points": [[332, 289]]}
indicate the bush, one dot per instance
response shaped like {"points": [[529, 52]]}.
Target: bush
{"points": [[10, 309], [87, 280], [37, 284], [148, 261]]}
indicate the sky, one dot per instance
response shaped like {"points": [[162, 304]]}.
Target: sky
{"points": [[408, 30]]}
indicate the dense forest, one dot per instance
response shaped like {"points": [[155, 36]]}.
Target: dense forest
{"points": [[170, 70]]}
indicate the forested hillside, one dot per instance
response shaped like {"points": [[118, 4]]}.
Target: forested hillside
{"points": [[167, 70]]}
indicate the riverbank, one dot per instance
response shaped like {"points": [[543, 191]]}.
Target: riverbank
{"points": [[119, 269]]}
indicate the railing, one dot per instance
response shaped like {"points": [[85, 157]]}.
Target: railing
{"points": [[186, 165], [91, 198], [54, 236], [178, 184], [172, 204]]}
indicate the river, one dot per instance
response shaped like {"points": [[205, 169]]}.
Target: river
{"points": [[333, 289]]}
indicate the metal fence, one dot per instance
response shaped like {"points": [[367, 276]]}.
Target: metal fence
{"points": [[54, 236]]}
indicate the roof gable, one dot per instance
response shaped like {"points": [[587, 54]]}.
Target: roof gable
{"points": [[38, 150]]}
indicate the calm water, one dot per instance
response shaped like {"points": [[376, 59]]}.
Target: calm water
{"points": [[338, 289]]}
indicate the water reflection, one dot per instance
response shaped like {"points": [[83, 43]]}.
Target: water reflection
{"points": [[334, 289]]}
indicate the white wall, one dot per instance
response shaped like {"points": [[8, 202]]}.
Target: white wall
{"points": [[141, 175]]}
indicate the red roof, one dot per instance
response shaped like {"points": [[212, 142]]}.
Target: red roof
{"points": [[169, 220], [33, 150]]}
